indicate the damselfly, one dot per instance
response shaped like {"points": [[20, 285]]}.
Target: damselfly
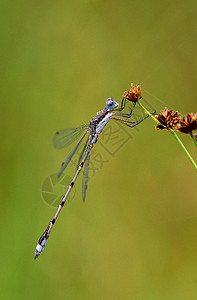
{"points": [[91, 131]]}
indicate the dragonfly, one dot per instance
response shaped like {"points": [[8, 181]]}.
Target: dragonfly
{"points": [[90, 133]]}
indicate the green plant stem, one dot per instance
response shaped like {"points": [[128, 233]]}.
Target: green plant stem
{"points": [[144, 108], [195, 142], [184, 149]]}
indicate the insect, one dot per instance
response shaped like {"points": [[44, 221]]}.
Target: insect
{"points": [[91, 132]]}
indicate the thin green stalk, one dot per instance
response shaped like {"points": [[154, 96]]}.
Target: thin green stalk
{"points": [[184, 149], [195, 142], [144, 108], [151, 115]]}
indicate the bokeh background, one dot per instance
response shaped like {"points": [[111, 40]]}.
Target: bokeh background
{"points": [[135, 237]]}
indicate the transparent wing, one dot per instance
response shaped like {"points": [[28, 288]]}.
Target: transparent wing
{"points": [[83, 151], [139, 114], [85, 176], [70, 155], [65, 137]]}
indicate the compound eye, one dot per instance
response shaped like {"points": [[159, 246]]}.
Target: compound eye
{"points": [[111, 103]]}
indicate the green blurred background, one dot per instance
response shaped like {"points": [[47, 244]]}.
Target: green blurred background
{"points": [[136, 235]]}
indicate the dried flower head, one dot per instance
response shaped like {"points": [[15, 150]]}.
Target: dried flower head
{"points": [[195, 136], [134, 93], [187, 123], [167, 119]]}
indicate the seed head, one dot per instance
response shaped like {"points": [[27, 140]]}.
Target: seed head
{"points": [[167, 119], [134, 93], [187, 123]]}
